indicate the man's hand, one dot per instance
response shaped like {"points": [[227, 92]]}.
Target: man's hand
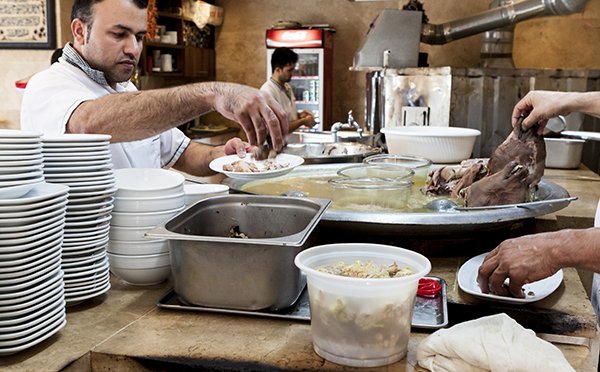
{"points": [[522, 260], [538, 106], [256, 111], [237, 146], [309, 119]]}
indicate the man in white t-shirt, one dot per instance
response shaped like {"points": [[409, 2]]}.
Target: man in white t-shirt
{"points": [[283, 62], [89, 91]]}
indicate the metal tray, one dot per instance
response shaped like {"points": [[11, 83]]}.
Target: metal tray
{"points": [[431, 223], [429, 313]]}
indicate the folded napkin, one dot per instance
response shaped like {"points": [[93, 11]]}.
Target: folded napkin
{"points": [[492, 343]]}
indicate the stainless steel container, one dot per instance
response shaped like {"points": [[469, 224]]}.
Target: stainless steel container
{"points": [[563, 153], [212, 268], [339, 152]]}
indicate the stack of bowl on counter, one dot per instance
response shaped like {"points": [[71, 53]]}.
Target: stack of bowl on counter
{"points": [[83, 163], [144, 198], [32, 217]]}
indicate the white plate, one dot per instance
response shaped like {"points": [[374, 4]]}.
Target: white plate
{"points": [[29, 304], [18, 153], [38, 192], [12, 160], [36, 236], [48, 168], [84, 251], [16, 176], [28, 322], [29, 181], [4, 140], [21, 169], [15, 192], [72, 151], [36, 205], [75, 138], [81, 175], [16, 133], [76, 156], [36, 287], [77, 297], [7, 348], [8, 286], [467, 281], [293, 161], [18, 148]]}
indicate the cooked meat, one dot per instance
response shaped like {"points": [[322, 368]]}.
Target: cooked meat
{"points": [[526, 147], [234, 232], [507, 186], [240, 166], [516, 167], [443, 180]]}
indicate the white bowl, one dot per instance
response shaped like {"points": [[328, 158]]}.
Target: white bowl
{"points": [[439, 144], [195, 191], [385, 303], [127, 233], [141, 269], [150, 204], [138, 247], [148, 182], [142, 218]]}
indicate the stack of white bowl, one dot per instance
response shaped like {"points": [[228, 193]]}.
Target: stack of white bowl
{"points": [[194, 192], [20, 162], [144, 199], [83, 162], [32, 305]]}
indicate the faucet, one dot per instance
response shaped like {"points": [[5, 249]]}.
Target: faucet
{"points": [[351, 124]]}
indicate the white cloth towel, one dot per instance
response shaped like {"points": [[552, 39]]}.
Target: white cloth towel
{"points": [[492, 343]]}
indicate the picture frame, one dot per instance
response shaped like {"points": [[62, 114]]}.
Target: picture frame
{"points": [[27, 24]]}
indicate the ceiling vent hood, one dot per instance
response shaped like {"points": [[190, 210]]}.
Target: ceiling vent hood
{"points": [[394, 37]]}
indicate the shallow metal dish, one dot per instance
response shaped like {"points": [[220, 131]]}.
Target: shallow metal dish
{"points": [[211, 268], [429, 224], [338, 152]]}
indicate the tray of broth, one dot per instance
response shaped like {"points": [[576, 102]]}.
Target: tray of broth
{"points": [[366, 212]]}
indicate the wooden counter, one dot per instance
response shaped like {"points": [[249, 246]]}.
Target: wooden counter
{"points": [[124, 330]]}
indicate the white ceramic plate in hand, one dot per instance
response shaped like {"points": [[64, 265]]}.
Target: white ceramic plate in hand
{"points": [[467, 281], [292, 160]]}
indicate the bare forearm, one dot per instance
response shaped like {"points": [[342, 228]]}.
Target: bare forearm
{"points": [[295, 124], [578, 248], [588, 103], [137, 115], [196, 158]]}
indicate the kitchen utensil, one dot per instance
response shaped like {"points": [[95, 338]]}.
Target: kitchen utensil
{"points": [[419, 165], [440, 144], [535, 291], [340, 304], [594, 136], [338, 152], [519, 205], [211, 262], [563, 153]]}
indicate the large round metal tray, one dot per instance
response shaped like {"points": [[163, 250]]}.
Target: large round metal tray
{"points": [[337, 152], [434, 223]]}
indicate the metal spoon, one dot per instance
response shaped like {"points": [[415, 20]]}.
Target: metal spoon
{"points": [[441, 205]]}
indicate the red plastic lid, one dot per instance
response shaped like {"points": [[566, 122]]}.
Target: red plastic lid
{"points": [[428, 287]]}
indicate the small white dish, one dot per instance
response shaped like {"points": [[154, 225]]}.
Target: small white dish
{"points": [[15, 192], [17, 133], [151, 204], [292, 160], [467, 281], [148, 182], [197, 191]]}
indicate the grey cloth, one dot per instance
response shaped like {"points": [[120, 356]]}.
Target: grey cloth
{"points": [[70, 55]]}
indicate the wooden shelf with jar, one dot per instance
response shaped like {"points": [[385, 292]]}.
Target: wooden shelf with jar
{"points": [[191, 49]]}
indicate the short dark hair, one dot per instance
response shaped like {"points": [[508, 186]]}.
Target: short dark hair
{"points": [[282, 57], [82, 9]]}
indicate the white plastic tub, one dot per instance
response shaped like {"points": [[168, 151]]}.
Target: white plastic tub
{"points": [[356, 321], [439, 144]]}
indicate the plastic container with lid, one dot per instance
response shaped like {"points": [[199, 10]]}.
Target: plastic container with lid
{"points": [[361, 322]]}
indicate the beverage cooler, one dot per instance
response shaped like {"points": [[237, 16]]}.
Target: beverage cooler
{"points": [[312, 79]]}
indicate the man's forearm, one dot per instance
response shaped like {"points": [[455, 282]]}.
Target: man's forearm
{"points": [[137, 115], [196, 158], [588, 103], [578, 248]]}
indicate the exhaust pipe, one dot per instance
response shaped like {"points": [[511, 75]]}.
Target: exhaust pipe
{"points": [[497, 18]]}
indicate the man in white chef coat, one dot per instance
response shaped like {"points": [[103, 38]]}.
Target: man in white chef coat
{"points": [[89, 91], [283, 63]]}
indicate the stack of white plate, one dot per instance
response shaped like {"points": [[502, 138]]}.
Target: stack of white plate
{"points": [[32, 306], [83, 162], [145, 198], [20, 162]]}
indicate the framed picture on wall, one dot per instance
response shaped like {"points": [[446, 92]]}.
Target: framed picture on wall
{"points": [[27, 24]]}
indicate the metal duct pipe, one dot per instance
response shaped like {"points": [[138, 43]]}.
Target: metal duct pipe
{"points": [[497, 18]]}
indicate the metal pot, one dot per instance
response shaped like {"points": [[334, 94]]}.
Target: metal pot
{"points": [[339, 152]]}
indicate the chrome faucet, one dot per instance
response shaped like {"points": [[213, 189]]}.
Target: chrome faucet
{"points": [[351, 124]]}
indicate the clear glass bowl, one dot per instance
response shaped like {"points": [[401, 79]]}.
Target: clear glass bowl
{"points": [[391, 171], [418, 164], [370, 194]]}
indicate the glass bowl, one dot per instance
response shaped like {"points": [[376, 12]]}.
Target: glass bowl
{"points": [[418, 164], [391, 171], [370, 194]]}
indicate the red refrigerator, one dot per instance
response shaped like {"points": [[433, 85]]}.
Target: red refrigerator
{"points": [[312, 80]]}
